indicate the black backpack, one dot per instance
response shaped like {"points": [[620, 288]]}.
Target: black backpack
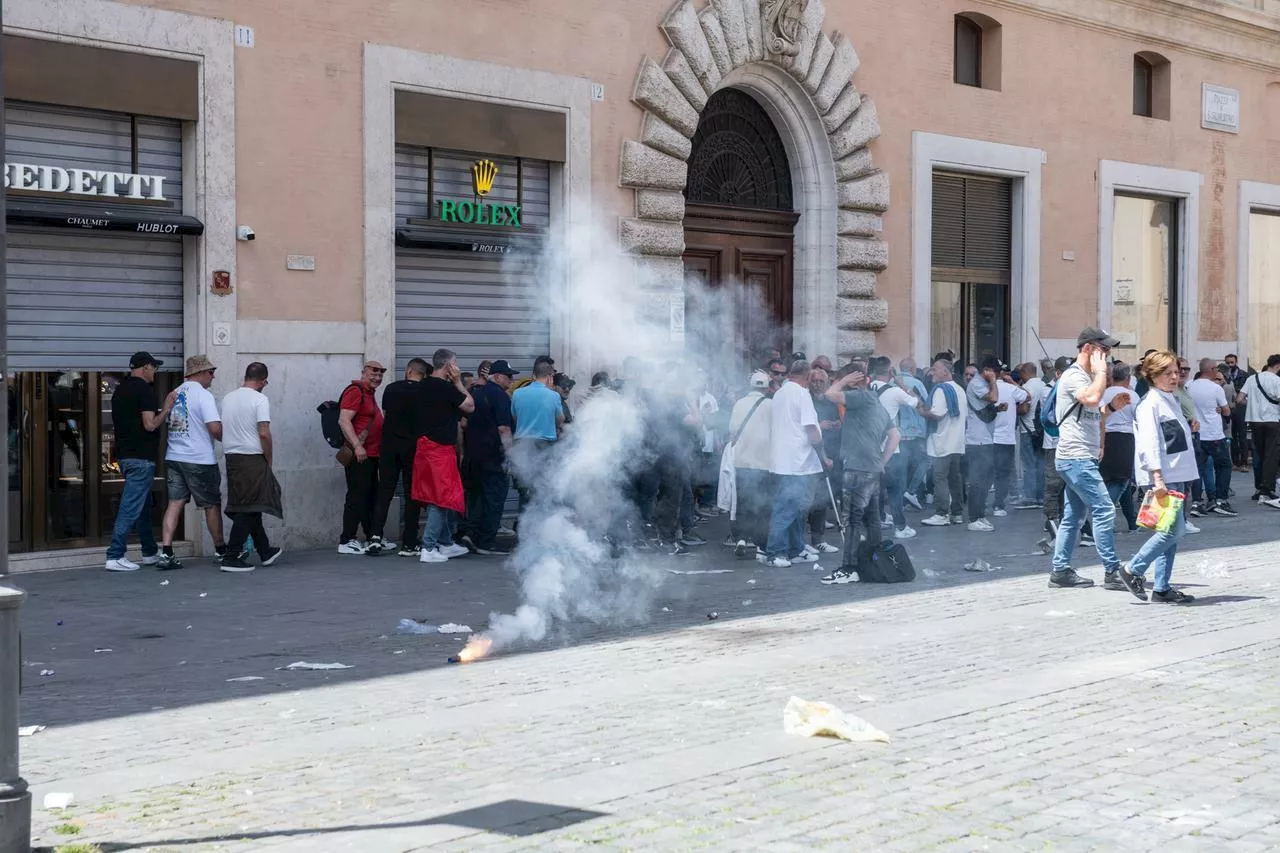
{"points": [[887, 562], [329, 411]]}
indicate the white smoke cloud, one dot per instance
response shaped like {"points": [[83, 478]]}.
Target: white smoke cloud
{"points": [[573, 558]]}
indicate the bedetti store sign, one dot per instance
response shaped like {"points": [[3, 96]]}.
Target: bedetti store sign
{"points": [[83, 182]]}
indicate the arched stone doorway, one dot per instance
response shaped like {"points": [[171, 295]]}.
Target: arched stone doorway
{"points": [[776, 51], [739, 223]]}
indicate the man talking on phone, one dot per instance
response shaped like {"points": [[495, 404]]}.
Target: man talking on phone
{"points": [[1079, 409]]}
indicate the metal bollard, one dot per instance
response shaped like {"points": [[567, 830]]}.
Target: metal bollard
{"points": [[15, 799]]}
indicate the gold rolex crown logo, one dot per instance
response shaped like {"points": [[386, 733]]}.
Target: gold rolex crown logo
{"points": [[483, 174]]}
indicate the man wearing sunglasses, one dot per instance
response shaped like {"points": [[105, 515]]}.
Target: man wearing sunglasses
{"points": [[1079, 408], [361, 422]]}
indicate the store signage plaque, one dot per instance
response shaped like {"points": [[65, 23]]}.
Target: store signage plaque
{"points": [[480, 212], [1220, 109], [83, 182]]}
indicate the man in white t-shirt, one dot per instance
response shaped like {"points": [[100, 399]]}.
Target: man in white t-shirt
{"points": [[895, 398], [1012, 403], [797, 458], [191, 469], [252, 488], [947, 414], [1263, 417], [1214, 453]]}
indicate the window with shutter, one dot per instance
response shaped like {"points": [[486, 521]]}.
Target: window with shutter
{"points": [[973, 225]]}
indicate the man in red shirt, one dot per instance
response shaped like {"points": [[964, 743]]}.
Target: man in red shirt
{"points": [[361, 423]]}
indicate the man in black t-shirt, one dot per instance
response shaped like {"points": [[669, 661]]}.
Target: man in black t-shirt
{"points": [[484, 475], [442, 401], [395, 464], [136, 417]]}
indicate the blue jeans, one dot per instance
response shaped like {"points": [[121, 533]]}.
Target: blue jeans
{"points": [[1161, 548], [1215, 469], [917, 464], [1032, 470], [895, 478], [755, 497], [135, 509], [439, 530], [791, 505], [1085, 493]]}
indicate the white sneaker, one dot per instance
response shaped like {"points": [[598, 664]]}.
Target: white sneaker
{"points": [[506, 531], [152, 560], [779, 563], [1191, 528], [809, 549], [805, 557], [840, 576], [912, 499], [887, 521], [827, 548], [905, 533], [981, 526], [936, 520], [432, 556], [455, 550], [351, 546], [123, 564], [1274, 503], [1000, 513]]}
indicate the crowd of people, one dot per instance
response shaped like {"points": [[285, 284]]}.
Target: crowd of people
{"points": [[804, 448]]}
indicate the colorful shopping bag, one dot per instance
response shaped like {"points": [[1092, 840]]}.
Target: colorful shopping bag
{"points": [[1160, 516]]}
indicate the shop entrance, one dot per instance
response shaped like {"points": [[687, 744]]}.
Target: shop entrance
{"points": [[738, 227], [64, 477]]}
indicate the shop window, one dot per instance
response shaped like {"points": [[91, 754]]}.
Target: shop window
{"points": [[1264, 286], [1151, 81], [1144, 268], [977, 51]]}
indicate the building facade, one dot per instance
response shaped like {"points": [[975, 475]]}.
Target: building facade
{"points": [[908, 177]]}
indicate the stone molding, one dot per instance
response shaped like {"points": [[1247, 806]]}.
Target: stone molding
{"points": [[709, 45]]}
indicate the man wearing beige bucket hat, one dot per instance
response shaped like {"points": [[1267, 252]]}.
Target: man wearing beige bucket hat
{"points": [[191, 468]]}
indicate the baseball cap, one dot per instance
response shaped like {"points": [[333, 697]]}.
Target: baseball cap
{"points": [[503, 367], [1092, 335], [759, 379], [142, 359]]}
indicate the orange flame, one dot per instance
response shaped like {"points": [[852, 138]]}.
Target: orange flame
{"points": [[477, 647]]}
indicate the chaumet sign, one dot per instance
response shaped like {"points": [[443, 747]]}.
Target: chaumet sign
{"points": [[483, 174], [83, 182]]}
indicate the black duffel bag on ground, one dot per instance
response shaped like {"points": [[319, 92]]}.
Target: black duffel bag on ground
{"points": [[886, 563]]}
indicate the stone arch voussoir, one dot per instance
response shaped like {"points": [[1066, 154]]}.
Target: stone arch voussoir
{"points": [[709, 44]]}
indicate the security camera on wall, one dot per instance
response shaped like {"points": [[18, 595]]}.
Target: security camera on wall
{"points": [[244, 232]]}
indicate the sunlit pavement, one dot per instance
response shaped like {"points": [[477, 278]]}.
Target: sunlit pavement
{"points": [[1021, 717]]}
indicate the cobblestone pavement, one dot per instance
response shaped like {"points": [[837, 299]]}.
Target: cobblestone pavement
{"points": [[1021, 718]]}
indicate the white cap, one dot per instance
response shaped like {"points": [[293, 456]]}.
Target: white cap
{"points": [[759, 379]]}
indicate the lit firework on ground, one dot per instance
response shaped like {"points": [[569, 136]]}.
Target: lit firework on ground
{"points": [[477, 646]]}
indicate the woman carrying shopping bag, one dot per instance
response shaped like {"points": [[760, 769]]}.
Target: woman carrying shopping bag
{"points": [[1164, 462]]}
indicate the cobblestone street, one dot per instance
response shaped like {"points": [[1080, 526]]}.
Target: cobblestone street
{"points": [[1021, 717]]}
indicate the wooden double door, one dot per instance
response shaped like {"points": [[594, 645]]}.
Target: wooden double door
{"points": [[740, 300]]}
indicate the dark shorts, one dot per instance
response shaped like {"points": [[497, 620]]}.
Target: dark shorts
{"points": [[187, 480]]}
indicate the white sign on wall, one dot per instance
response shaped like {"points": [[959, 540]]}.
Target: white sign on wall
{"points": [[54, 179], [1220, 109]]}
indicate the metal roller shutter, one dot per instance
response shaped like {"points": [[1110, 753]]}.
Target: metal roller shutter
{"points": [[972, 222], [84, 301], [81, 300], [482, 306]]}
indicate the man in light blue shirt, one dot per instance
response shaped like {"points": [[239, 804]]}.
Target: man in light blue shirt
{"points": [[538, 411], [914, 431]]}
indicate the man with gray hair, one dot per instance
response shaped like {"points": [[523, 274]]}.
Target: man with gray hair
{"points": [[797, 457], [442, 401]]}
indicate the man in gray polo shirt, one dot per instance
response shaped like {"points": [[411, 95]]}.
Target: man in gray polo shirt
{"points": [[1079, 409]]}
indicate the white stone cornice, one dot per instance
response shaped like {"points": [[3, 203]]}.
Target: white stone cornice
{"points": [[1208, 28]]}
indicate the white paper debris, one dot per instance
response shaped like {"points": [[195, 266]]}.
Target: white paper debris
{"points": [[753, 580], [204, 595], [30, 731], [413, 626], [666, 610], [978, 566], [701, 571], [746, 603], [818, 719], [102, 651], [454, 628], [314, 666], [46, 672], [1056, 613], [931, 573], [398, 652], [245, 678], [53, 802], [164, 583]]}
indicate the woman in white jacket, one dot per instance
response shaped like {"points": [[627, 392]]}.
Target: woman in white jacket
{"points": [[1164, 461]]}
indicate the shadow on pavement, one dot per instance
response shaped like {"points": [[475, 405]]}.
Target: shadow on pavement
{"points": [[126, 644]]}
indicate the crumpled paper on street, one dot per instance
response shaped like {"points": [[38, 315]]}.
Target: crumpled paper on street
{"points": [[454, 628], [818, 719], [30, 731], [304, 665], [54, 801]]}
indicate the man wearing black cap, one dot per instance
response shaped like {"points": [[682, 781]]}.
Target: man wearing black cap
{"points": [[136, 417], [484, 473], [1079, 409]]}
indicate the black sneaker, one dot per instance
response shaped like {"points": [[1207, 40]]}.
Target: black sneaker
{"points": [[410, 551], [1086, 539], [466, 541], [1196, 511], [1112, 581], [1257, 496], [1136, 584], [373, 549], [270, 555], [1171, 596], [495, 551], [219, 551], [167, 562], [236, 564], [1068, 579], [1224, 508]]}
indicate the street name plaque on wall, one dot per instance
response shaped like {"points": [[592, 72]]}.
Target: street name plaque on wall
{"points": [[1220, 109]]}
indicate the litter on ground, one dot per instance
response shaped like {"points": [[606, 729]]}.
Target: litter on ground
{"points": [[46, 672], [455, 628], [245, 678], [413, 626], [701, 571], [102, 651], [818, 719], [1213, 570], [53, 801], [931, 573], [978, 566], [302, 664], [30, 731]]}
